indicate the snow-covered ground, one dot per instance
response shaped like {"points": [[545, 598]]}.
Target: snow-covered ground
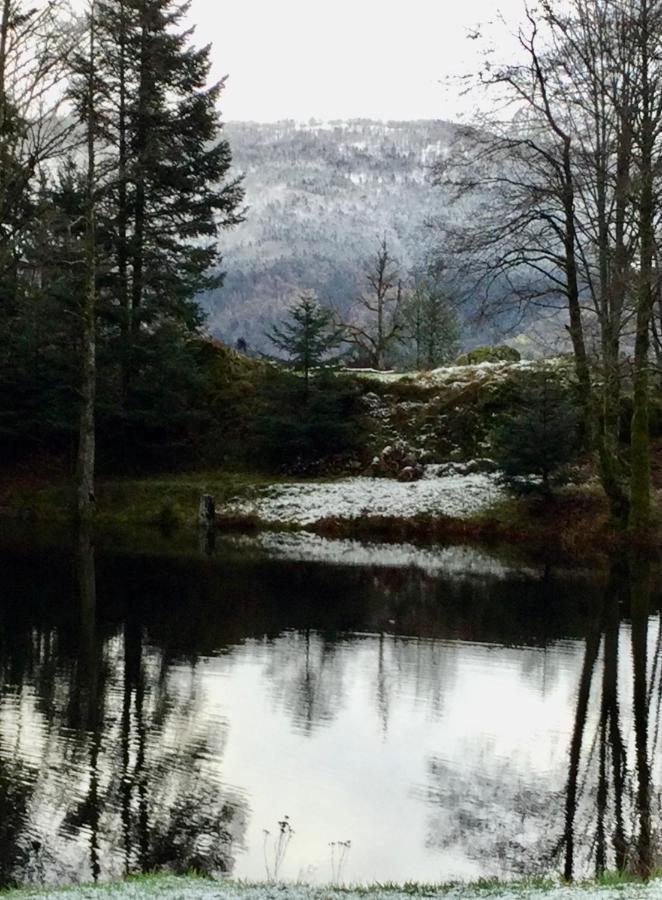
{"points": [[199, 889], [458, 496]]}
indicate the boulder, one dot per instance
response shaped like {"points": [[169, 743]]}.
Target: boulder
{"points": [[500, 353], [410, 473], [397, 459]]}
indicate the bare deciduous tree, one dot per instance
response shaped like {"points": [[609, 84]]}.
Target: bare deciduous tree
{"points": [[381, 307], [36, 44], [86, 434], [570, 169]]}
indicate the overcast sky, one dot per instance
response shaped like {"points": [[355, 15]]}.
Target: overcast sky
{"points": [[342, 59]]}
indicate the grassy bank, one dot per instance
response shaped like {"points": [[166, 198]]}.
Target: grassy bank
{"points": [[574, 522], [194, 888], [163, 500]]}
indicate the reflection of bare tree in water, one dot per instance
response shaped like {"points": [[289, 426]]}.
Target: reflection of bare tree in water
{"points": [[125, 769], [500, 811], [583, 697], [613, 799], [306, 673], [428, 668], [310, 674], [610, 743], [16, 844], [639, 607], [382, 687], [492, 817]]}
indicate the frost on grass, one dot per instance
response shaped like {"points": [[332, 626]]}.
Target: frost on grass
{"points": [[458, 561], [456, 496], [200, 889]]}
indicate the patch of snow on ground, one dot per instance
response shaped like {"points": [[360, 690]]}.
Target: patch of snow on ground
{"points": [[458, 496], [200, 889], [459, 561]]}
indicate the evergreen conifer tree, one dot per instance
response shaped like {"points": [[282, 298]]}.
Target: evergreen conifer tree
{"points": [[539, 435], [430, 332], [310, 337], [171, 194]]}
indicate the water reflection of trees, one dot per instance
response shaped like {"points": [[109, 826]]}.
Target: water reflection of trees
{"points": [[310, 675], [106, 765], [408, 611], [605, 814], [491, 815], [610, 805], [305, 672], [123, 776]]}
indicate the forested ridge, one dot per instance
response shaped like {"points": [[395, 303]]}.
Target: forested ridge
{"points": [[320, 196]]}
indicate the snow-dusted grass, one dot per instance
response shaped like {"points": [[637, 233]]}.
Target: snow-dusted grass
{"points": [[455, 496], [171, 888]]}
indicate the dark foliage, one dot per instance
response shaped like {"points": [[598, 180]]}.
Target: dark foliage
{"points": [[164, 194], [299, 430], [539, 436]]}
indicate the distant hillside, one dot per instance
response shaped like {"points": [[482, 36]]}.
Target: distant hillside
{"points": [[320, 197]]}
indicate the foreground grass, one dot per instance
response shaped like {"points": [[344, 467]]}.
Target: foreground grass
{"points": [[611, 887]]}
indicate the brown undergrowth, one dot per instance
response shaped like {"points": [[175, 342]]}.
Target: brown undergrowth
{"points": [[571, 525]]}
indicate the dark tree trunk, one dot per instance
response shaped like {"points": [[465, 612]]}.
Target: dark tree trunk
{"points": [[85, 500]]}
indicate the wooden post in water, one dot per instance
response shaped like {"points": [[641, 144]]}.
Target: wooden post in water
{"points": [[206, 511], [207, 522]]}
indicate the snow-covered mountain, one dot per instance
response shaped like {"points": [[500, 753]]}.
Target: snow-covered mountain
{"points": [[320, 197]]}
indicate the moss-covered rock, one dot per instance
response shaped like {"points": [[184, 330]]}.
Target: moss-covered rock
{"points": [[499, 353]]}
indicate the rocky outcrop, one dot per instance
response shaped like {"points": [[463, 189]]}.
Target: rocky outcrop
{"points": [[446, 415], [400, 461]]}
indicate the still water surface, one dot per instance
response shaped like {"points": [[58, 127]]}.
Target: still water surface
{"points": [[449, 715]]}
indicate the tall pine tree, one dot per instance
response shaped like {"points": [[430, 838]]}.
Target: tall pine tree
{"points": [[172, 193]]}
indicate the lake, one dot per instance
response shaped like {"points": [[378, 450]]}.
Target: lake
{"points": [[416, 714]]}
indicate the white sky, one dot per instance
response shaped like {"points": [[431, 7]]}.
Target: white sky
{"points": [[348, 58]]}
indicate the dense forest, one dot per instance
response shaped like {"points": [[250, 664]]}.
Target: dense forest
{"points": [[114, 186]]}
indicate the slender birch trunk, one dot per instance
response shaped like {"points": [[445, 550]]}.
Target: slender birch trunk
{"points": [[86, 442]]}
